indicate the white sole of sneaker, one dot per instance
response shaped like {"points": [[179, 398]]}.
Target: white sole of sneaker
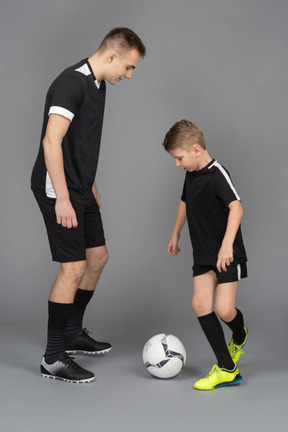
{"points": [[91, 353], [85, 381]]}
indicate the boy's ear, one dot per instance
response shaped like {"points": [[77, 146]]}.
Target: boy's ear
{"points": [[196, 148]]}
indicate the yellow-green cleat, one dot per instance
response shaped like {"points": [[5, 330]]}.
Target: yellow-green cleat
{"points": [[218, 377], [237, 350]]}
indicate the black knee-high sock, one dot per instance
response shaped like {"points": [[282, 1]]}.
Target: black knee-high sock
{"points": [[58, 314], [75, 320], [237, 327], [215, 335]]}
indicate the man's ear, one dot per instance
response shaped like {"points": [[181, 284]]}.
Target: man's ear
{"points": [[111, 57]]}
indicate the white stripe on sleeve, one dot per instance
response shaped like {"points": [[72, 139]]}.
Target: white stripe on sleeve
{"points": [[61, 111], [227, 178]]}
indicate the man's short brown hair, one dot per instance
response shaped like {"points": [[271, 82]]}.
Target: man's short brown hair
{"points": [[183, 134], [122, 39]]}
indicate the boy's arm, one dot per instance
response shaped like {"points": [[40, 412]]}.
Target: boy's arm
{"points": [[225, 254], [57, 128], [173, 248]]}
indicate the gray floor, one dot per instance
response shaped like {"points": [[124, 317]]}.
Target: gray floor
{"points": [[126, 398]]}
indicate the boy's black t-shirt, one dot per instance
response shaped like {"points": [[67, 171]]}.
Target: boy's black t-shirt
{"points": [[76, 95], [207, 194]]}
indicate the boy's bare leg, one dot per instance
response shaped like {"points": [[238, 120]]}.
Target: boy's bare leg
{"points": [[204, 287], [203, 293], [232, 317], [225, 301]]}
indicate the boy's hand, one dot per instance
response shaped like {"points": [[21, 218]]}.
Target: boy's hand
{"points": [[173, 248], [225, 257], [225, 254]]}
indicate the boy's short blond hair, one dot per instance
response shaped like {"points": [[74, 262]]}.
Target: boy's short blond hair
{"points": [[183, 134]]}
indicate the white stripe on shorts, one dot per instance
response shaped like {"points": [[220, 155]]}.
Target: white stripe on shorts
{"points": [[239, 271]]}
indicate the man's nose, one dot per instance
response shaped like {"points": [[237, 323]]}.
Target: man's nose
{"points": [[128, 74]]}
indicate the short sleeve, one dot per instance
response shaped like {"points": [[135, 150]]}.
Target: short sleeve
{"points": [[183, 196], [66, 95], [223, 186]]}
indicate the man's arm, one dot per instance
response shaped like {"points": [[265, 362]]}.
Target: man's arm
{"points": [[96, 194], [57, 128], [173, 248], [225, 254]]}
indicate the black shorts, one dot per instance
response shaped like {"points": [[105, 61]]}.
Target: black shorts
{"points": [[234, 273], [70, 244]]}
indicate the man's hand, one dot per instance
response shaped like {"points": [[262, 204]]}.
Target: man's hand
{"points": [[65, 213]]}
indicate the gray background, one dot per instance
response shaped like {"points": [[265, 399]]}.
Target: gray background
{"points": [[220, 63]]}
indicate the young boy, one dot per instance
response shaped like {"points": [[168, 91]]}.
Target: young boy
{"points": [[213, 210]]}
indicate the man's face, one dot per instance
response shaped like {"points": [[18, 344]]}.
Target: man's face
{"points": [[120, 67]]}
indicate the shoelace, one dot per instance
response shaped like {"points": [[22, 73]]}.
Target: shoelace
{"points": [[214, 371], [86, 333], [235, 348], [69, 361]]}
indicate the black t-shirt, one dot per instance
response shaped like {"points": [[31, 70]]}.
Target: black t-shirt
{"points": [[207, 194], [76, 95]]}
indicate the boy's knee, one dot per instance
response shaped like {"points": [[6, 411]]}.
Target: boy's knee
{"points": [[195, 305], [225, 313], [199, 308]]}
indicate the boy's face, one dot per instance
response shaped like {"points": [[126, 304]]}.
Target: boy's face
{"points": [[120, 67], [186, 159]]}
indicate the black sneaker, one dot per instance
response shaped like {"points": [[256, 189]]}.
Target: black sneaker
{"points": [[82, 343], [67, 370]]}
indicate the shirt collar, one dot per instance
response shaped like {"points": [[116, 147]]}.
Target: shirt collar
{"points": [[97, 83]]}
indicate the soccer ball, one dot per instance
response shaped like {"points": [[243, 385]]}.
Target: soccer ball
{"points": [[164, 355]]}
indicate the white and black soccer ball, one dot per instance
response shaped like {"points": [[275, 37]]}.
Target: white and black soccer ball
{"points": [[164, 356]]}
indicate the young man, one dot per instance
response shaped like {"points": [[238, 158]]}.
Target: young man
{"points": [[63, 182], [213, 209]]}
